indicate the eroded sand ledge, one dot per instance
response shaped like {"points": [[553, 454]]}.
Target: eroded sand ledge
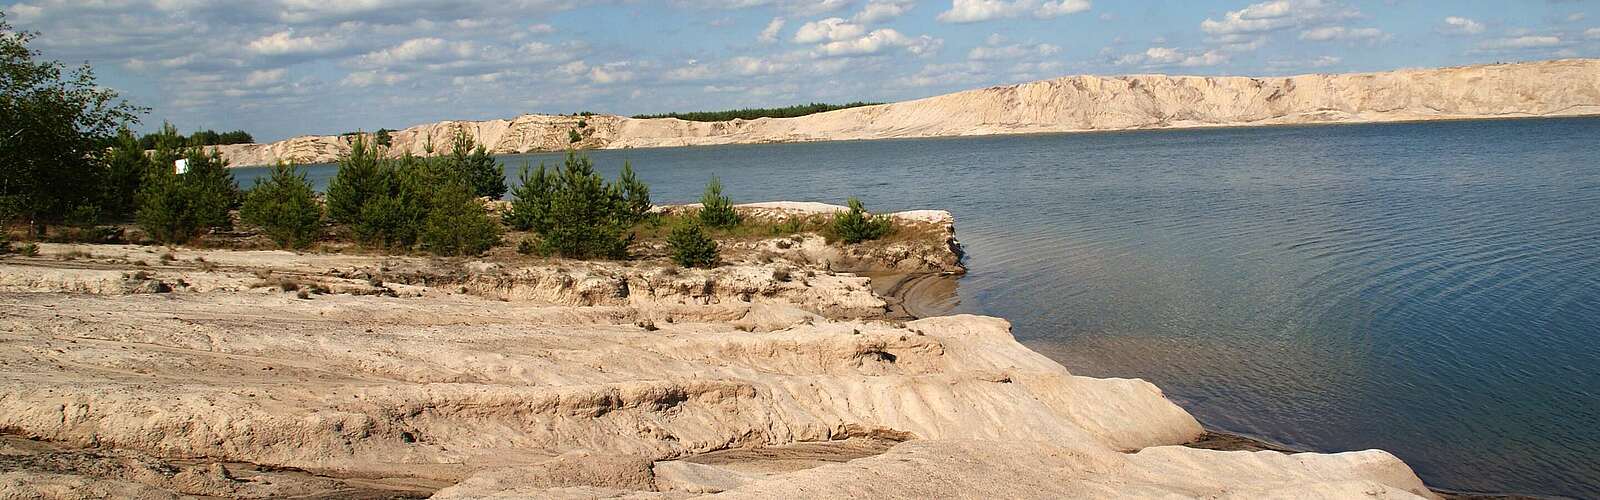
{"points": [[515, 378], [1569, 87]]}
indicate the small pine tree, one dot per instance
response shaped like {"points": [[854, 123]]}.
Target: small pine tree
{"points": [[691, 247], [573, 136], [530, 202], [635, 195], [582, 221], [359, 179], [716, 210], [458, 225], [471, 160], [855, 226], [126, 167], [174, 208], [284, 206]]}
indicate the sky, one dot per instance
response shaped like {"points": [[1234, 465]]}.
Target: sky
{"points": [[280, 68]]}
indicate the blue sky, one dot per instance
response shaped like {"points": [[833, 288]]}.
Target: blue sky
{"points": [[279, 68]]}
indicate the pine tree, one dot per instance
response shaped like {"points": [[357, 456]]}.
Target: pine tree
{"points": [[855, 226], [530, 204], [285, 207], [634, 193], [359, 179], [717, 210], [483, 174], [691, 247]]}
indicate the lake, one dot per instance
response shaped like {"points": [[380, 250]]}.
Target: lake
{"points": [[1431, 289]]}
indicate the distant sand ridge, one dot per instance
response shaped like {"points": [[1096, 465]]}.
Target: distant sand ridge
{"points": [[1569, 87]]}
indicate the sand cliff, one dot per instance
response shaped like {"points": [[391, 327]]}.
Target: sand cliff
{"points": [[1070, 104], [131, 375]]}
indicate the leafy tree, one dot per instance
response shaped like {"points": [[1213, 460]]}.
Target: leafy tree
{"points": [[855, 226], [284, 206], [55, 125], [635, 194], [716, 210], [691, 247], [458, 225], [359, 179], [530, 202], [382, 137], [484, 175]]}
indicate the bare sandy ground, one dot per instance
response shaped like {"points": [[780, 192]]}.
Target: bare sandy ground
{"points": [[1569, 87], [143, 372]]}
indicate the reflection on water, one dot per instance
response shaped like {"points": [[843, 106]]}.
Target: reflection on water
{"points": [[1429, 289]]}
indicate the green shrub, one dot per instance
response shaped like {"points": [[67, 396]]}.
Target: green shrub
{"points": [[585, 219], [530, 202], [483, 174], [716, 210], [126, 167], [573, 136], [855, 226], [284, 206], [458, 225], [174, 208], [691, 247], [635, 195], [359, 179]]}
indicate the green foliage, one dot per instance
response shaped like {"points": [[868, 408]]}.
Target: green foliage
{"points": [[573, 136], [483, 174], [855, 226], [285, 207], [753, 113], [359, 179], [691, 247], [530, 202], [716, 210], [635, 194], [382, 137], [457, 224], [126, 167], [55, 125], [575, 212], [174, 208], [206, 137]]}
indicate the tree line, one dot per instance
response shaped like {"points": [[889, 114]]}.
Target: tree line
{"points": [[69, 158], [206, 137], [753, 113]]}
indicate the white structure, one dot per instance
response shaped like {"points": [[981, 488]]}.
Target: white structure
{"points": [[181, 166]]}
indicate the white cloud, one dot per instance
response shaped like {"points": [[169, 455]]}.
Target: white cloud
{"points": [[1277, 15], [1329, 33], [770, 33], [1164, 56], [1462, 26], [882, 10], [994, 51], [370, 78], [609, 73], [878, 40], [830, 29], [263, 77], [417, 50], [971, 11], [1592, 33], [285, 43], [1521, 42]]}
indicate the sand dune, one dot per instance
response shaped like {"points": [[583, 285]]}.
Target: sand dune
{"points": [[1070, 104]]}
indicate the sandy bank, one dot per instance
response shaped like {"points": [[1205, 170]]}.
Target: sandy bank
{"points": [[129, 374], [1568, 87]]}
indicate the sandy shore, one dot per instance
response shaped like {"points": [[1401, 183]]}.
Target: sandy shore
{"points": [[144, 372]]}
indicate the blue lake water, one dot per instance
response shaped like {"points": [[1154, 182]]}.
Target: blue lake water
{"points": [[1429, 289]]}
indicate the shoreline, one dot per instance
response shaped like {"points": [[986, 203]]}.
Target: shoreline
{"points": [[526, 377]]}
